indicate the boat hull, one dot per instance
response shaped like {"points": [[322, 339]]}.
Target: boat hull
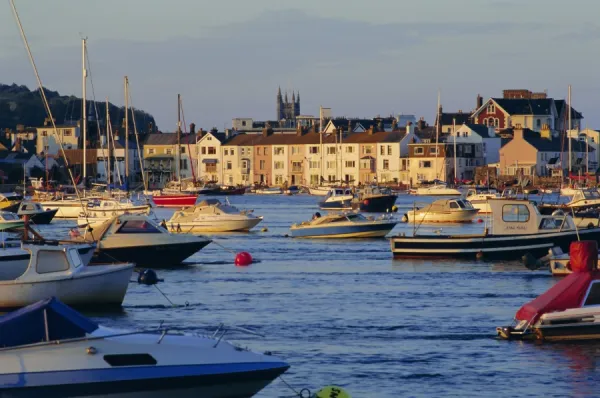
{"points": [[63, 210], [462, 216], [42, 218], [500, 247], [174, 200], [150, 256], [214, 225], [336, 205], [319, 191], [377, 204], [367, 230]]}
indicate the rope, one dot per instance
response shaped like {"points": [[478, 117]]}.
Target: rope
{"points": [[296, 393], [223, 247]]}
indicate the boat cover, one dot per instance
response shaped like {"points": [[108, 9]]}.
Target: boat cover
{"points": [[28, 325], [569, 292]]}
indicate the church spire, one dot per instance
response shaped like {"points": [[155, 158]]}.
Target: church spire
{"points": [[298, 97], [286, 97], [293, 97], [279, 92]]}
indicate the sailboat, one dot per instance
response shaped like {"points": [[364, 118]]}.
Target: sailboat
{"points": [[569, 190], [176, 199]]}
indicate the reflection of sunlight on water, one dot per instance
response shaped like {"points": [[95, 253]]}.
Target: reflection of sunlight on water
{"points": [[345, 311]]}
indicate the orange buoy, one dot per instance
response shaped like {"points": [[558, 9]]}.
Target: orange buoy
{"points": [[366, 202], [243, 259]]}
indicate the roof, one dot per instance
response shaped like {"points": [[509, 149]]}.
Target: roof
{"points": [[167, 139], [561, 107], [525, 106], [447, 118], [555, 144], [380, 136], [480, 129]]}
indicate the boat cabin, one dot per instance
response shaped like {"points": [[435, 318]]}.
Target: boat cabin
{"points": [[211, 206], [337, 218], [586, 195], [30, 208], [339, 192], [522, 217]]}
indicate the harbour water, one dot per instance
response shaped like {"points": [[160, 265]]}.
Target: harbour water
{"points": [[345, 312]]}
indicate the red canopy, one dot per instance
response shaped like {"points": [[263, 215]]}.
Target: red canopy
{"points": [[570, 292]]}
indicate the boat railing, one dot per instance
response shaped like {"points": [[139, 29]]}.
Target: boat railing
{"points": [[222, 330]]}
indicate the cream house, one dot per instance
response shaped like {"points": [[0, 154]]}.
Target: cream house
{"points": [[47, 141], [209, 161]]}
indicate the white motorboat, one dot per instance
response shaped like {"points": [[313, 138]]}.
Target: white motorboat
{"points": [[338, 199], [344, 225], [66, 208], [584, 199], [50, 350], [479, 200], [42, 269], [212, 216], [569, 310], [113, 207], [141, 240], [569, 190], [436, 190], [268, 191], [443, 211], [319, 190]]}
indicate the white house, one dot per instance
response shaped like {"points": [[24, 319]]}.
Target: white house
{"points": [[210, 161], [47, 141], [479, 134]]}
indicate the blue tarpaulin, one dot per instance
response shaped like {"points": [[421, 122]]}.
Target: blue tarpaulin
{"points": [[28, 325]]}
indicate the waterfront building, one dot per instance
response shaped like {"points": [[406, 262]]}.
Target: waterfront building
{"points": [[47, 142]]}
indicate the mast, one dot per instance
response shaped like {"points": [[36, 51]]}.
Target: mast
{"points": [[83, 110], [455, 164], [108, 147], [569, 132], [341, 155], [437, 135], [178, 150], [320, 143], [126, 133]]}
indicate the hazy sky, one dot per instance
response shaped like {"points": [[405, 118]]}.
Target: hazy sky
{"points": [[361, 58]]}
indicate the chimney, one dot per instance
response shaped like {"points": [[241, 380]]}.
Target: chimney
{"points": [[421, 124], [380, 125], [394, 124], [265, 132], [479, 101], [545, 132], [371, 130], [410, 129], [192, 128], [227, 133], [518, 132]]}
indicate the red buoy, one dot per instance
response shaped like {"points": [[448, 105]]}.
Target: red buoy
{"points": [[366, 202], [480, 220], [243, 259]]}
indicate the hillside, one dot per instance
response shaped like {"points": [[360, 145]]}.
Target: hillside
{"points": [[19, 105]]}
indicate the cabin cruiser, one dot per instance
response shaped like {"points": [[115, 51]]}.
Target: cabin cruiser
{"points": [[479, 199], [439, 188], [40, 269], [372, 199], [113, 207], [212, 216], [344, 225], [64, 354], [10, 201], [582, 200], [516, 228], [338, 199], [141, 240], [36, 213], [569, 310], [444, 211]]}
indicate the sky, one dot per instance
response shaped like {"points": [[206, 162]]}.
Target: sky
{"points": [[361, 58]]}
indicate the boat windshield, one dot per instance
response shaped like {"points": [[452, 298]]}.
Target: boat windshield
{"points": [[138, 227], [591, 194], [6, 216], [356, 217]]}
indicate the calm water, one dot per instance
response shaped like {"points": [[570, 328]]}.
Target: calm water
{"points": [[346, 313]]}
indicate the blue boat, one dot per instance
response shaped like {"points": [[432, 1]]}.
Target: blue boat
{"points": [[344, 225], [338, 199], [49, 350]]}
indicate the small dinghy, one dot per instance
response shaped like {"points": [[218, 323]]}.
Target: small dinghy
{"points": [[212, 216], [345, 225], [36, 213], [569, 310], [443, 211], [50, 350], [52, 269]]}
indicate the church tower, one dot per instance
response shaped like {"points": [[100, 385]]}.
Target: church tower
{"points": [[279, 105], [287, 109]]}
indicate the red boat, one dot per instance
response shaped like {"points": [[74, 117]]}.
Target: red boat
{"points": [[183, 200]]}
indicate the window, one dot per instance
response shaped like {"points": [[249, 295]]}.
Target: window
{"points": [[279, 165], [538, 122], [209, 138], [350, 164], [265, 150], [226, 152], [182, 149], [137, 227], [245, 164], [433, 150], [382, 150], [491, 108], [419, 150], [212, 150], [453, 205], [278, 179], [593, 296], [168, 151], [183, 164], [257, 150], [296, 150], [278, 150], [51, 261], [515, 213], [349, 149], [313, 149], [496, 122], [229, 165], [296, 166], [313, 164], [262, 164], [211, 168], [314, 179], [386, 164], [75, 258], [367, 150], [44, 133], [389, 150], [425, 164], [331, 164], [204, 150], [244, 123], [67, 132], [331, 150], [468, 149], [150, 151], [129, 359], [242, 151]]}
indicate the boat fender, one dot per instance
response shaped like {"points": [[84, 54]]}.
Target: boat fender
{"points": [[243, 259]]}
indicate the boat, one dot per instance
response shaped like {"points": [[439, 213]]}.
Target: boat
{"points": [[372, 199], [10, 221], [141, 240], [443, 211], [65, 208], [53, 269], [10, 201], [318, 190], [268, 191], [292, 190], [439, 188], [569, 191], [51, 350], [36, 213], [113, 207], [344, 225], [211, 215], [214, 189], [516, 228], [569, 310], [171, 200], [337, 199], [584, 199], [479, 199]]}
